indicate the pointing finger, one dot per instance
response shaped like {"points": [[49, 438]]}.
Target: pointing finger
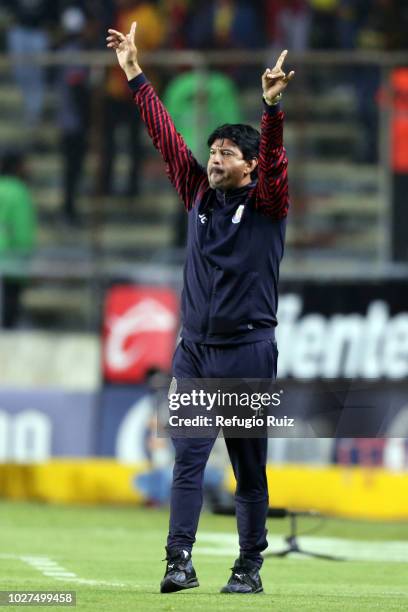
{"points": [[281, 59], [132, 32]]}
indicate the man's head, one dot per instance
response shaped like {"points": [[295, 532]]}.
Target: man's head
{"points": [[12, 163], [234, 150]]}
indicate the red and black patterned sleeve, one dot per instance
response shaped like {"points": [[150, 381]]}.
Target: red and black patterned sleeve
{"points": [[272, 196], [183, 170]]}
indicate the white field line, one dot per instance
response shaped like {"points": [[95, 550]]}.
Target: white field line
{"points": [[226, 544], [51, 569]]}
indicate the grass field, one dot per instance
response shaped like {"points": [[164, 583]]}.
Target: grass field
{"points": [[112, 558]]}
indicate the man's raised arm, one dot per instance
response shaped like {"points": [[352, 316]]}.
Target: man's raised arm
{"points": [[185, 173], [272, 197]]}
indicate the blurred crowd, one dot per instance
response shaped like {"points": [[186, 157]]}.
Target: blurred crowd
{"points": [[217, 24], [29, 27]]}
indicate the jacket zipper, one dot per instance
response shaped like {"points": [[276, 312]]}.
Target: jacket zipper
{"points": [[211, 284]]}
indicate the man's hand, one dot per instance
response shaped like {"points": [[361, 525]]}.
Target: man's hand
{"points": [[126, 50], [275, 81]]}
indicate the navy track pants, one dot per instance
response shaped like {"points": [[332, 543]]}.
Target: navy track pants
{"points": [[248, 455]]}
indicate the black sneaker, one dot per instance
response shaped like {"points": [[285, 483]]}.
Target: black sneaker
{"points": [[180, 573], [245, 578]]}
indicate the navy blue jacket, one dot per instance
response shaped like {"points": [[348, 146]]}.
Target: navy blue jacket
{"points": [[235, 239]]}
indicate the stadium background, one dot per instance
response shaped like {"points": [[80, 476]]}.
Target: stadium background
{"points": [[95, 289]]}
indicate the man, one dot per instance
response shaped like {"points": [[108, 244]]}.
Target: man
{"points": [[73, 86], [18, 228], [118, 108], [28, 36], [236, 209]]}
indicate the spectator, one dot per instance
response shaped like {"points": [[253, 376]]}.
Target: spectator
{"points": [[383, 26], [119, 108], [197, 107], [17, 229], [73, 109], [29, 36], [175, 14], [100, 16], [348, 23], [324, 33], [225, 24], [288, 24]]}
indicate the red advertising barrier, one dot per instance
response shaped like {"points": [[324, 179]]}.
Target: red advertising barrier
{"points": [[139, 335], [399, 82]]}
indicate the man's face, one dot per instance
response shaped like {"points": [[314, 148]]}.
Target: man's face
{"points": [[226, 168]]}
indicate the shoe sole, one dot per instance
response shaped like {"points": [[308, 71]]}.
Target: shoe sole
{"points": [[170, 586]]}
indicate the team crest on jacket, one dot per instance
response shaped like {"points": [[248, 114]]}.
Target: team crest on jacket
{"points": [[238, 214]]}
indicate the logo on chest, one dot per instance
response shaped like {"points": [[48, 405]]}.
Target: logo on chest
{"points": [[203, 218], [238, 214]]}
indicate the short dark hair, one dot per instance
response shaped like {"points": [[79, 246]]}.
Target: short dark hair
{"points": [[244, 136], [11, 162]]}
